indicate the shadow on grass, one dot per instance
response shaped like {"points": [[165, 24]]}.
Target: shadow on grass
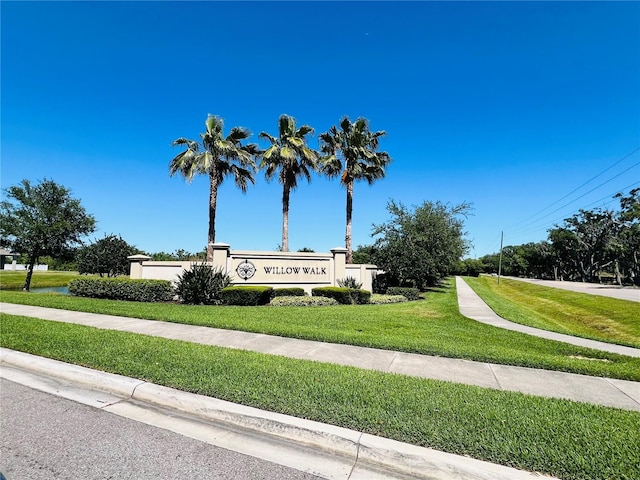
{"points": [[441, 287]]}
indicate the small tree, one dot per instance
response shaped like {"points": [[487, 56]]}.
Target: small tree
{"points": [[42, 219], [107, 256], [420, 247]]}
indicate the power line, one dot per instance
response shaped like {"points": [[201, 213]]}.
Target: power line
{"points": [[578, 188], [536, 226], [586, 193]]}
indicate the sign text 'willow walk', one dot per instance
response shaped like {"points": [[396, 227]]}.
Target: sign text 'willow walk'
{"points": [[295, 270]]}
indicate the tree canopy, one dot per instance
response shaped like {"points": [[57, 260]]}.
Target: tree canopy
{"points": [[42, 219], [352, 152], [107, 256], [218, 156], [289, 155], [420, 247]]}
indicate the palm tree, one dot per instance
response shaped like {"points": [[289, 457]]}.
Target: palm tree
{"points": [[218, 156], [357, 146], [290, 155]]}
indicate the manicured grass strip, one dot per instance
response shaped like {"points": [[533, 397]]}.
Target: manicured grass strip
{"points": [[561, 438], [432, 327], [15, 280], [580, 314]]}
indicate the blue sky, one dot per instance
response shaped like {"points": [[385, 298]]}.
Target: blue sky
{"points": [[520, 108]]}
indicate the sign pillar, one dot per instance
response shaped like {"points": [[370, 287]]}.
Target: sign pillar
{"points": [[220, 255], [339, 264]]}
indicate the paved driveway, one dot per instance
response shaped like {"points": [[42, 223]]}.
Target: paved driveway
{"points": [[623, 293]]}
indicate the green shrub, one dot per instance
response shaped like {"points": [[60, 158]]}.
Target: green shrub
{"points": [[202, 284], [350, 282], [361, 297], [345, 296], [249, 295], [381, 282], [289, 292], [378, 299], [122, 289], [409, 292], [340, 294], [306, 301]]}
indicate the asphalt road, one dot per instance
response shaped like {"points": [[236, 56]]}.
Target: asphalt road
{"points": [[48, 437], [613, 291]]}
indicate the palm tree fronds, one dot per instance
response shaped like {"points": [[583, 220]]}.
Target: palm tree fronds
{"points": [[269, 137], [242, 177], [345, 124], [295, 142], [253, 150], [192, 145], [286, 125], [238, 133], [217, 160], [304, 130], [214, 124], [331, 165], [288, 153]]}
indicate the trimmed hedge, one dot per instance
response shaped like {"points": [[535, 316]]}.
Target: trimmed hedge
{"points": [[345, 296], [340, 294], [123, 289], [249, 295], [378, 299], [361, 297], [299, 301], [409, 292], [289, 292]]}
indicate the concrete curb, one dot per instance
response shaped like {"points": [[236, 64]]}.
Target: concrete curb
{"points": [[362, 456]]}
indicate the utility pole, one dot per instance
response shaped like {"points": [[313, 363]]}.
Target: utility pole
{"points": [[500, 261]]}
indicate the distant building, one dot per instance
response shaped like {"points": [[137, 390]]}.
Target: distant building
{"points": [[6, 256]]}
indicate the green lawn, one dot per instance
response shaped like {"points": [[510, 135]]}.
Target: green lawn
{"points": [[561, 438], [15, 280], [433, 326], [589, 316]]}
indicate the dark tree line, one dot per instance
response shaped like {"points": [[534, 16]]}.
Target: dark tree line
{"points": [[590, 246]]}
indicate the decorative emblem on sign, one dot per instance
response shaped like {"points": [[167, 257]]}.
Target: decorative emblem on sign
{"points": [[246, 270]]}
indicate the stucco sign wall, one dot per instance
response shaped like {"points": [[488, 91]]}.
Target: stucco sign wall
{"points": [[274, 270], [279, 269]]}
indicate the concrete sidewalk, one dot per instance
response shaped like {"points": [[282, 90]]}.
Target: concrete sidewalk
{"points": [[601, 391], [472, 306], [326, 451]]}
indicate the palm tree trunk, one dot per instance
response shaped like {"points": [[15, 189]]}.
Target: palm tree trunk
{"points": [[285, 218], [213, 199], [347, 236]]}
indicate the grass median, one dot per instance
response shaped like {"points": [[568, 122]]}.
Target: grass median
{"points": [[589, 316], [432, 327], [561, 438], [15, 280]]}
